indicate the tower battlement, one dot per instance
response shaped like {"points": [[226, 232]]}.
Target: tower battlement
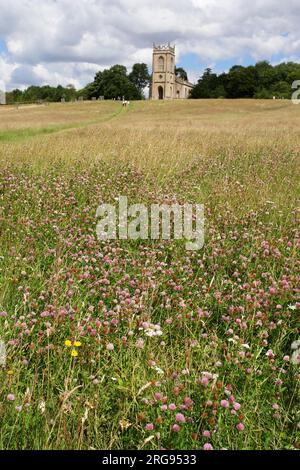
{"points": [[164, 47]]}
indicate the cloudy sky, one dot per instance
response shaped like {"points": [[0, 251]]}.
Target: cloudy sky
{"points": [[67, 41]]}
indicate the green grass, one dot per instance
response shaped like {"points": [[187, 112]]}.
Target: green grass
{"points": [[22, 134]]}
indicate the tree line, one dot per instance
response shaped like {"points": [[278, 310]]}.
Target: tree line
{"points": [[261, 81], [112, 83], [41, 93]]}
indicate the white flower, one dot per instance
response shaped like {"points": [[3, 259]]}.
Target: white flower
{"points": [[153, 330], [42, 406], [292, 307], [150, 332], [2, 353], [158, 370], [296, 357], [295, 344]]}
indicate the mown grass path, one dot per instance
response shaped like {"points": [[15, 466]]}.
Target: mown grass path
{"points": [[22, 134]]}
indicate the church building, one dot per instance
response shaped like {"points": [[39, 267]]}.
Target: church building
{"points": [[165, 85]]}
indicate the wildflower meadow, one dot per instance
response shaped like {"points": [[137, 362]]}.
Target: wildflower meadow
{"points": [[142, 344]]}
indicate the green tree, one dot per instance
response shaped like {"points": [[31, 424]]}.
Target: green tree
{"points": [[139, 76], [282, 90], [263, 94], [14, 96], [113, 83], [207, 86], [181, 73], [266, 75], [241, 82]]}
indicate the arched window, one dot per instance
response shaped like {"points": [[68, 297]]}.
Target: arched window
{"points": [[172, 65], [160, 93], [161, 63]]}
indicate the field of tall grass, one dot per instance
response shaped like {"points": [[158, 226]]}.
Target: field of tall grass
{"points": [[140, 344]]}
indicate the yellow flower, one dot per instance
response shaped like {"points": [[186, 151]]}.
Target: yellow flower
{"points": [[74, 353], [77, 344], [68, 343], [9, 372]]}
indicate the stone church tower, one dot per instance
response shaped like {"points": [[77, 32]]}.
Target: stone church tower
{"points": [[165, 84]]}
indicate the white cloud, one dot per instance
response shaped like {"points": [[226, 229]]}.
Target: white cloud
{"points": [[6, 69], [66, 41]]}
